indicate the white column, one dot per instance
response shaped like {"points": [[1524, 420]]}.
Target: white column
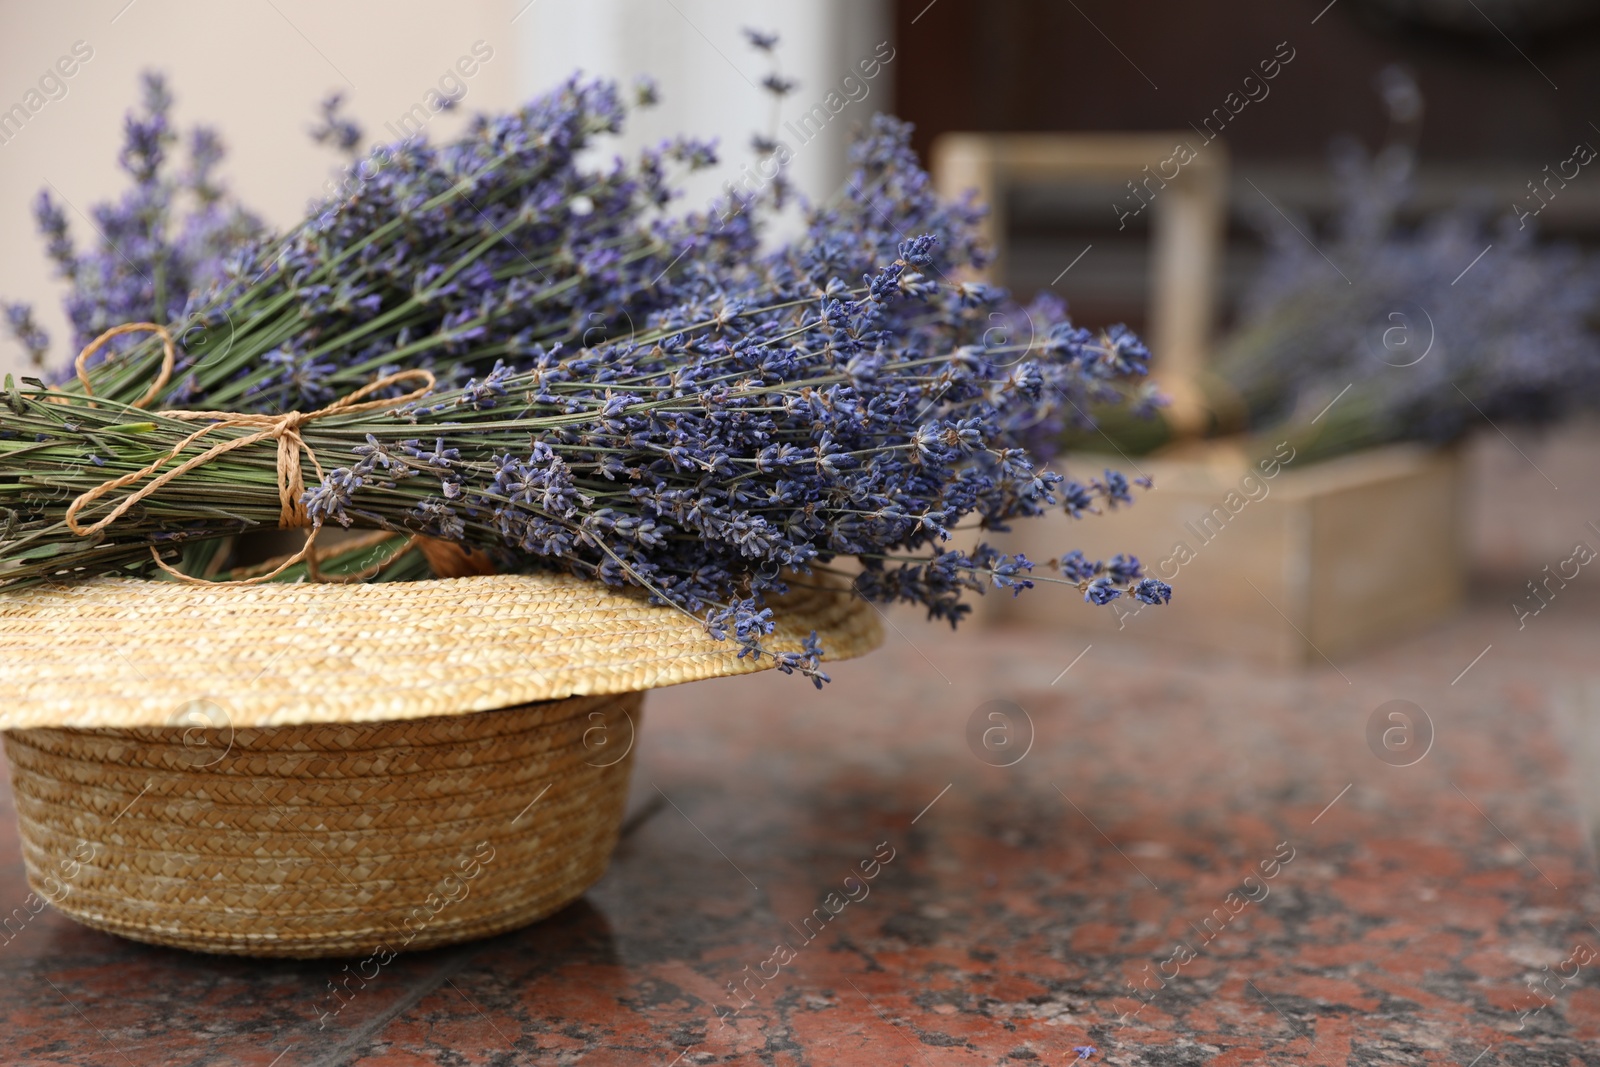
{"points": [[710, 77]]}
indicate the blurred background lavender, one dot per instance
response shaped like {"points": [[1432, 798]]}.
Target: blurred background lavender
{"points": [[1415, 345]]}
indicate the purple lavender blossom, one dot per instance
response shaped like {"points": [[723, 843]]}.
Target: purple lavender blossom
{"points": [[336, 129], [762, 42], [20, 318]]}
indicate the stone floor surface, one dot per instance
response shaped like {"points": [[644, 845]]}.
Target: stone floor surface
{"points": [[1188, 861]]}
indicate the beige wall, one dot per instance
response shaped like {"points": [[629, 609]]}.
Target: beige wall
{"points": [[255, 69]]}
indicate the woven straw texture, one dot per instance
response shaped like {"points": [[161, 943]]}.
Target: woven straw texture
{"points": [[122, 653], [329, 839]]}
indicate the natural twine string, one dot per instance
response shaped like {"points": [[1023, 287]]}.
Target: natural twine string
{"points": [[169, 358], [284, 429], [314, 560]]}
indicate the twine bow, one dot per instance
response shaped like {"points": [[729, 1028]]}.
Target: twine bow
{"points": [[284, 429]]}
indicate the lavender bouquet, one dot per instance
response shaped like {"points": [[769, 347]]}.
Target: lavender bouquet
{"points": [[556, 368]]}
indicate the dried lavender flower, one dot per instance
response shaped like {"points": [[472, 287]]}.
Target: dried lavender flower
{"points": [[668, 401], [336, 129]]}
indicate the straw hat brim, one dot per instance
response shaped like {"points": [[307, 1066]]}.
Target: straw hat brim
{"points": [[123, 653]]}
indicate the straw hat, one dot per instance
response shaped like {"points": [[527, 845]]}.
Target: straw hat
{"points": [[126, 653], [303, 769]]}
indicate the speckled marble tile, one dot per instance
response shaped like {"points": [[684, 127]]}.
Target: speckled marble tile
{"points": [[1078, 897]]}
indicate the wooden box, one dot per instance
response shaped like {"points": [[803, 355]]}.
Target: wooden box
{"points": [[1286, 564]]}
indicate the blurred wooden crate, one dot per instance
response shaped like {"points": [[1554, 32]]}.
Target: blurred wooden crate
{"points": [[1305, 565]]}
